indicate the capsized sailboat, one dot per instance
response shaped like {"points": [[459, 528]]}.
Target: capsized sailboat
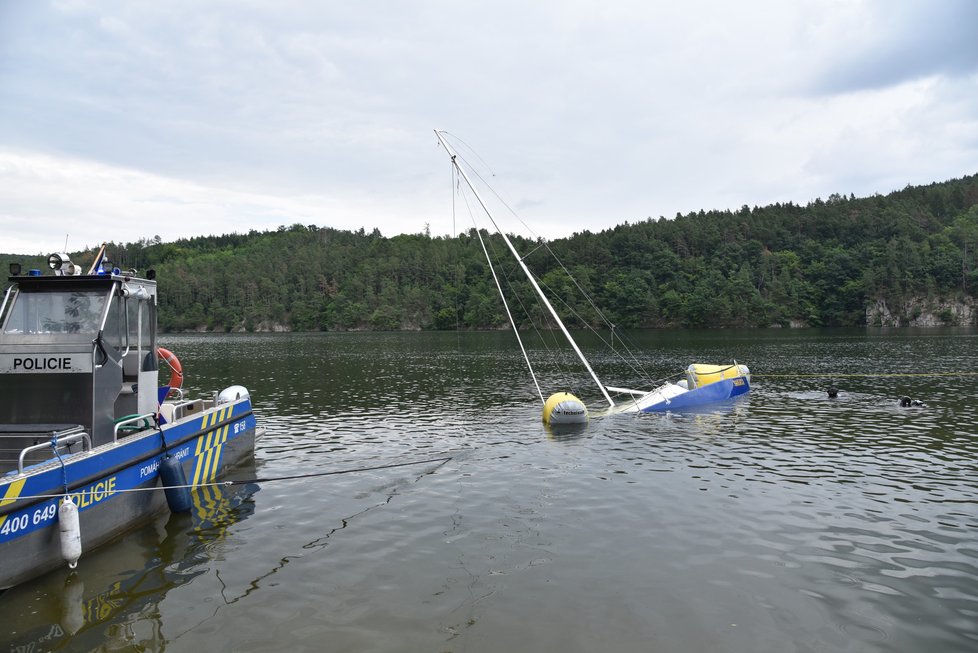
{"points": [[703, 385]]}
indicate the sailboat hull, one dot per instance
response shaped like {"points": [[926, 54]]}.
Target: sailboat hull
{"points": [[676, 398]]}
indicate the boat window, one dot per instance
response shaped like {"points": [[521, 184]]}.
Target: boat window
{"points": [[139, 325], [57, 311], [149, 336], [115, 324], [133, 330]]}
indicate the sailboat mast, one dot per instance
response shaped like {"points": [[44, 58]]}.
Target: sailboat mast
{"points": [[533, 282]]}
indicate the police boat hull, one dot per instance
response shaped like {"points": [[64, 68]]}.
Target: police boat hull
{"points": [[116, 487]]}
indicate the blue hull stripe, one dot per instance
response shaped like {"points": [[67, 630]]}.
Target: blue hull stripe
{"points": [[703, 396]]}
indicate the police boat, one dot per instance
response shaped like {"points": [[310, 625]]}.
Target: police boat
{"points": [[90, 444]]}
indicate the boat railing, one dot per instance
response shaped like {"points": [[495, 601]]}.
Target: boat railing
{"points": [[626, 391], [58, 440], [130, 422], [176, 411]]}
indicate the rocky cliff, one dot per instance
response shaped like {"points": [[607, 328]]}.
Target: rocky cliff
{"points": [[923, 312]]}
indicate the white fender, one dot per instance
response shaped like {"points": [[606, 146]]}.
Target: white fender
{"points": [[232, 393], [68, 524]]}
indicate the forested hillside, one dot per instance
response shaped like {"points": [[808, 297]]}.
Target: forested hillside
{"points": [[820, 264]]}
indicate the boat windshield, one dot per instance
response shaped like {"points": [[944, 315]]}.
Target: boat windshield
{"points": [[55, 311]]}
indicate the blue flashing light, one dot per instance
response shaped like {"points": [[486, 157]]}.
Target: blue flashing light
{"points": [[34, 273]]}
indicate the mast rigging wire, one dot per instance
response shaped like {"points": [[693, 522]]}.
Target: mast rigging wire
{"points": [[543, 298]]}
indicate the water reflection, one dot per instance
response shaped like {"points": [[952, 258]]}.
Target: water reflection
{"points": [[112, 599]]}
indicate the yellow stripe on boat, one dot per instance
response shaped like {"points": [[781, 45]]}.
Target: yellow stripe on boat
{"points": [[13, 491], [208, 455]]}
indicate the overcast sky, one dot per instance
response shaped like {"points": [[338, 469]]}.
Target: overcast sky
{"points": [[127, 120]]}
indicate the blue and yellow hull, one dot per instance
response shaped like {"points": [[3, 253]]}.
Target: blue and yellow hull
{"points": [[115, 486], [702, 397], [704, 386]]}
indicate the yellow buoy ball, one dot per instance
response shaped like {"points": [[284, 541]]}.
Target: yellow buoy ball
{"points": [[564, 408]]}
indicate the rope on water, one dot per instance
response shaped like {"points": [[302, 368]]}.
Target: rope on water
{"points": [[442, 460]]}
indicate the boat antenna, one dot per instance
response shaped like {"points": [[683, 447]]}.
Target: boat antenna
{"points": [[98, 259], [526, 271]]}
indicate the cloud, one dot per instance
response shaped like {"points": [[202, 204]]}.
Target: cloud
{"points": [[90, 202], [873, 46], [589, 113]]}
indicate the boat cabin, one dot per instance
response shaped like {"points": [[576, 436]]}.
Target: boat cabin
{"points": [[77, 355]]}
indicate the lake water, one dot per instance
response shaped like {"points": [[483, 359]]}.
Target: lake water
{"points": [[783, 522]]}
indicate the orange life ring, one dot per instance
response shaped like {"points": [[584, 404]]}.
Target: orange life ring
{"points": [[176, 369]]}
